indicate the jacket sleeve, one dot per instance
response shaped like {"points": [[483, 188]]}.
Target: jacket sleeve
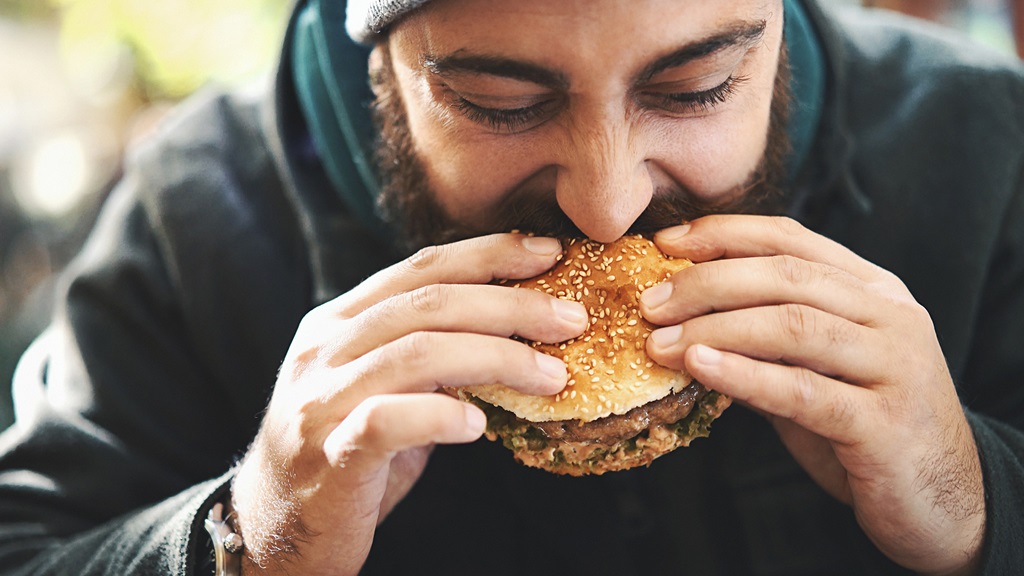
{"points": [[147, 387], [992, 391]]}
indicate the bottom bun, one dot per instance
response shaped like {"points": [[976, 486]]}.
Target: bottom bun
{"points": [[574, 456]]}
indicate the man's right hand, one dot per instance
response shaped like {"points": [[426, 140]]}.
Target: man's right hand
{"points": [[355, 409]]}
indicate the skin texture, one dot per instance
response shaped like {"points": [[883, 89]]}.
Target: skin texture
{"points": [[830, 348]]}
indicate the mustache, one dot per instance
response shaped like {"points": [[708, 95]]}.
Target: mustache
{"points": [[540, 214]]}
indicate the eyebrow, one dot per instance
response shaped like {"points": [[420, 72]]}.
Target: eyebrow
{"points": [[496, 66], [743, 35]]}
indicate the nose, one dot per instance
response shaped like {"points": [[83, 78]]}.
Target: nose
{"points": [[603, 182]]}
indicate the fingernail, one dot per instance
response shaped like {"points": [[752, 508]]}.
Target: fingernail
{"points": [[707, 355], [673, 233], [571, 312], [656, 295], [542, 246], [476, 421], [551, 366], [668, 336]]}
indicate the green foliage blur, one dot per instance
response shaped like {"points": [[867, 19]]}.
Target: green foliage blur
{"points": [[172, 46]]}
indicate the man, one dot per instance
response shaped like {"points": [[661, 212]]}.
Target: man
{"points": [[874, 345]]}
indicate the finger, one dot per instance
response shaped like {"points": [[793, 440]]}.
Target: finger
{"points": [[425, 361], [741, 236], [384, 425], [790, 334], [484, 309], [821, 405], [474, 261], [722, 285]]}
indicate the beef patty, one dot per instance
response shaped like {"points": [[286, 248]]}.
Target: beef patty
{"points": [[609, 429]]}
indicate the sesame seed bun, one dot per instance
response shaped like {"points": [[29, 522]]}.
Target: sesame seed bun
{"points": [[610, 372], [613, 385]]}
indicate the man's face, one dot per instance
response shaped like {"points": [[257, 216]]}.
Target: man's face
{"points": [[599, 116]]}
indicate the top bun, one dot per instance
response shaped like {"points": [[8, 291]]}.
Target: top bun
{"points": [[609, 370]]}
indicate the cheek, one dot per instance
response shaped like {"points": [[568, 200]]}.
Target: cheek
{"points": [[468, 174], [714, 156]]}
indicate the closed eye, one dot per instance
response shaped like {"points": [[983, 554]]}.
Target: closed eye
{"points": [[699, 102], [507, 120]]}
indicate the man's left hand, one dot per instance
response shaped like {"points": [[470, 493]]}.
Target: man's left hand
{"points": [[843, 361]]}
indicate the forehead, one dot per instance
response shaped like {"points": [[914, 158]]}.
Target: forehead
{"points": [[541, 30]]}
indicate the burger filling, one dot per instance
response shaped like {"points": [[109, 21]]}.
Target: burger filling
{"points": [[615, 442]]}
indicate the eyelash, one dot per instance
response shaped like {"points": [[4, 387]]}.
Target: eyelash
{"points": [[511, 121], [705, 100], [498, 119]]}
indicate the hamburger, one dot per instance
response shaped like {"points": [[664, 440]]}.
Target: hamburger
{"points": [[619, 409]]}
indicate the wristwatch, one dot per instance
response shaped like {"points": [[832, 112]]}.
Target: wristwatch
{"points": [[227, 544]]}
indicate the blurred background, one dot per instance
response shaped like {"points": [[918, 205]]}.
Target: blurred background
{"points": [[80, 80]]}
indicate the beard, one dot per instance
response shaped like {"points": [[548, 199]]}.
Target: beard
{"points": [[409, 205]]}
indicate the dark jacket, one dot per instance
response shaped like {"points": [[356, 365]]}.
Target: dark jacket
{"points": [[150, 383]]}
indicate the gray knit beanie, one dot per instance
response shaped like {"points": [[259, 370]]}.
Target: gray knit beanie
{"points": [[365, 19]]}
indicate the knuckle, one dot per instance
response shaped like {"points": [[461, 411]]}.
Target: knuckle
{"points": [[803, 323], [805, 392], [368, 423], [788, 226], [413, 350], [428, 257], [797, 321], [429, 299], [812, 402], [791, 270]]}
